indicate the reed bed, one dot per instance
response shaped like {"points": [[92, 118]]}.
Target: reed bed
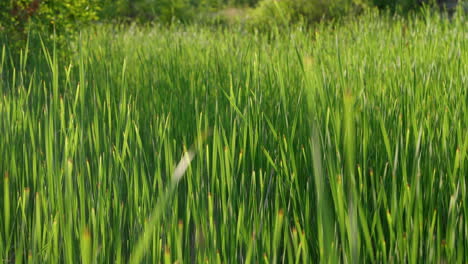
{"points": [[345, 143]]}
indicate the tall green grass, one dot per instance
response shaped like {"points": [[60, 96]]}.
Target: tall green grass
{"points": [[343, 144]]}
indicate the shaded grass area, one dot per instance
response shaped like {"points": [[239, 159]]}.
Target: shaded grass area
{"points": [[346, 144]]}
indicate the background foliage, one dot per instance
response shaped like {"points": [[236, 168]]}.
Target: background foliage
{"points": [[66, 16]]}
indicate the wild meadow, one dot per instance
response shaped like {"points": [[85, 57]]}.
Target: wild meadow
{"points": [[342, 143]]}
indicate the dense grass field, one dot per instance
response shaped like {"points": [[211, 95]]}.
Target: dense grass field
{"points": [[344, 143]]}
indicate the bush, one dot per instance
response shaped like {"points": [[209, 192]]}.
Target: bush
{"points": [[62, 17], [314, 11], [270, 13], [167, 10], [148, 10], [398, 5]]}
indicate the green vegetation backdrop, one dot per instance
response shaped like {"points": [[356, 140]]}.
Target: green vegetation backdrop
{"points": [[66, 16]]}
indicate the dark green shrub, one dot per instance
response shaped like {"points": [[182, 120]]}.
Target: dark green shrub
{"points": [[402, 6], [316, 10], [149, 10], [167, 10], [115, 9]]}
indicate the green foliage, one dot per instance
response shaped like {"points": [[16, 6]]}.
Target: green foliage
{"points": [[316, 10], [59, 17], [115, 9], [148, 10], [402, 6], [270, 13], [167, 10]]}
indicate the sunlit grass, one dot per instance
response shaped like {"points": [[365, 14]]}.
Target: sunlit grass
{"points": [[341, 144]]}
